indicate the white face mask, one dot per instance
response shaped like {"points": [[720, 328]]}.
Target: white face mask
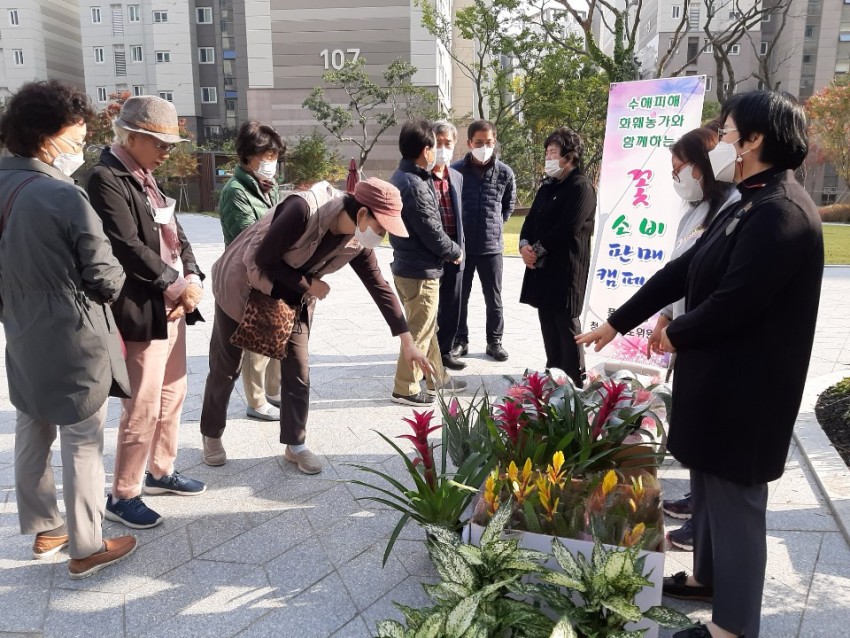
{"points": [[267, 169], [687, 187], [164, 215], [443, 156], [552, 167], [67, 163], [723, 158], [368, 238], [483, 153], [432, 162]]}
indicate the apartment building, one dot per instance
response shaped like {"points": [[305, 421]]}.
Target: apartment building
{"points": [[182, 51], [39, 40], [289, 44]]}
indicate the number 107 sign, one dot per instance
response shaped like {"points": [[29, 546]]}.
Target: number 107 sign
{"points": [[639, 211]]}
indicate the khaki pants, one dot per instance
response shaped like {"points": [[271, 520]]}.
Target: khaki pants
{"points": [[260, 377], [150, 421], [420, 298], [81, 447]]}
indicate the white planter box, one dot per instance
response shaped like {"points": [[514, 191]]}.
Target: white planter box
{"points": [[646, 598]]}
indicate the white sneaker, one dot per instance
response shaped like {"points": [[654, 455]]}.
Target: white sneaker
{"points": [[274, 399], [266, 412]]}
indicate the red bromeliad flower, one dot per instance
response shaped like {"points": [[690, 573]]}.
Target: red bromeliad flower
{"points": [[421, 425], [511, 419], [613, 394], [454, 407]]}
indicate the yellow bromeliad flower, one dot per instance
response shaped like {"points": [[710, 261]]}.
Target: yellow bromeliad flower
{"points": [[490, 495], [513, 472], [544, 495], [638, 488], [554, 473], [609, 482], [526, 471], [632, 538]]}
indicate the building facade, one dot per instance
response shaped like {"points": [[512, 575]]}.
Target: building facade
{"points": [[39, 40], [290, 44], [180, 50]]}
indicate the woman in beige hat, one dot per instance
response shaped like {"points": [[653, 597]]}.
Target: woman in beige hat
{"points": [[159, 298], [287, 254]]}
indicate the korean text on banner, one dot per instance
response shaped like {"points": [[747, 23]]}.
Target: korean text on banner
{"points": [[639, 211]]}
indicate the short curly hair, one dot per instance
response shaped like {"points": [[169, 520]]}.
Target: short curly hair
{"points": [[255, 139], [570, 143], [40, 110]]}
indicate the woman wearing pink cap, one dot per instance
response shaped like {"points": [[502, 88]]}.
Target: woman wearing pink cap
{"points": [[287, 254]]}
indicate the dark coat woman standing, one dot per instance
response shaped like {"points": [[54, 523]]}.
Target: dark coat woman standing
{"points": [[555, 246], [751, 286]]}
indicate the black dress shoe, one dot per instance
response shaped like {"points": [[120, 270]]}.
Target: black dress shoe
{"points": [[697, 631], [460, 349], [452, 363], [676, 586], [495, 350]]}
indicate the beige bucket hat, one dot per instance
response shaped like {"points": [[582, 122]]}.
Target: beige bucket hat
{"points": [[152, 115]]}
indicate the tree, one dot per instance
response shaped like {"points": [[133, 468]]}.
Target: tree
{"points": [[310, 161], [372, 109], [829, 126]]}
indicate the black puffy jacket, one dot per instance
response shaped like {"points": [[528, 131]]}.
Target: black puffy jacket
{"points": [[488, 201]]}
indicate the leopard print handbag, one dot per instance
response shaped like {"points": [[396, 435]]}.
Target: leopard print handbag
{"points": [[266, 326]]}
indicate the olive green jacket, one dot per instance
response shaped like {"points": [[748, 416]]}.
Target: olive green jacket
{"points": [[242, 203]]}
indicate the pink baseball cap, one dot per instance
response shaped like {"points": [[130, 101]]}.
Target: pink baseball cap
{"points": [[384, 200]]}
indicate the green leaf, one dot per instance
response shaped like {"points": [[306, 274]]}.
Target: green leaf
{"points": [[566, 561], [413, 617], [667, 617], [452, 567], [561, 579], [623, 608], [445, 592], [634, 633], [390, 629], [615, 564], [391, 542], [476, 631], [563, 629], [497, 524], [433, 626], [460, 618], [470, 553], [442, 535]]}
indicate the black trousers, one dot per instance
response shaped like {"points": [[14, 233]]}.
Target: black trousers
{"points": [[226, 364], [730, 548], [559, 333], [448, 310], [489, 269]]}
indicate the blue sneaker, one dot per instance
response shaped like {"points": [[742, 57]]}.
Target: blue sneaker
{"points": [[132, 512], [173, 484]]}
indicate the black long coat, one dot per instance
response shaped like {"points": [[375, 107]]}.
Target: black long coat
{"points": [[561, 219], [751, 290], [128, 222]]}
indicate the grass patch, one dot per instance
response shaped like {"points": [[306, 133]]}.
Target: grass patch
{"points": [[836, 244]]}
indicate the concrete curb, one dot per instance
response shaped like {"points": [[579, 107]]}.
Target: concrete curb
{"points": [[830, 471]]}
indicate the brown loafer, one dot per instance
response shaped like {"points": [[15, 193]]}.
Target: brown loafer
{"points": [[214, 453], [306, 461], [117, 549], [46, 546], [676, 586]]}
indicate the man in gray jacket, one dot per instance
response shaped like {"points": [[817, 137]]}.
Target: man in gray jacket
{"points": [[418, 262]]}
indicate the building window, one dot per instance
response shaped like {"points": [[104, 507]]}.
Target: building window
{"points": [[136, 54], [206, 55], [807, 58], [693, 50], [163, 57], [160, 16], [138, 89], [726, 88], [844, 32], [709, 81], [19, 57], [95, 15], [735, 49], [204, 15], [98, 55], [101, 94], [709, 47], [120, 57], [133, 13], [763, 47], [829, 198], [13, 18], [766, 17], [209, 95], [809, 32], [677, 11], [733, 15], [166, 95], [212, 131]]}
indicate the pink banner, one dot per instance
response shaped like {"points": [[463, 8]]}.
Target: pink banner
{"points": [[639, 211]]}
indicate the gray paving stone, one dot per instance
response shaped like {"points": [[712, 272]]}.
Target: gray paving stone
{"points": [[298, 569], [408, 592], [355, 629], [316, 613], [84, 614], [367, 580], [265, 542]]}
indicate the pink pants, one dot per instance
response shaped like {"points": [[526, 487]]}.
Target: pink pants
{"points": [[150, 421]]}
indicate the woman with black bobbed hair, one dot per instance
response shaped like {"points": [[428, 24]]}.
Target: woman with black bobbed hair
{"points": [[751, 286]]}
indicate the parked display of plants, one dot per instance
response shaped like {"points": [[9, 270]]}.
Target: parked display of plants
{"points": [[498, 590]]}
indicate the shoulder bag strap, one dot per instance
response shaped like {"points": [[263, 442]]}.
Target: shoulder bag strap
{"points": [[8, 209]]}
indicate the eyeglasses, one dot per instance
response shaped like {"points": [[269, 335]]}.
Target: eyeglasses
{"points": [[677, 171], [167, 148], [721, 132], [78, 146]]}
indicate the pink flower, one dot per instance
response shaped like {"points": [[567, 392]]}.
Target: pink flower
{"points": [[536, 386], [642, 396], [613, 393], [421, 425], [511, 419], [454, 408]]}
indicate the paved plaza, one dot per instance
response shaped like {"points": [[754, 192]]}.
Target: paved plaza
{"points": [[267, 551]]}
